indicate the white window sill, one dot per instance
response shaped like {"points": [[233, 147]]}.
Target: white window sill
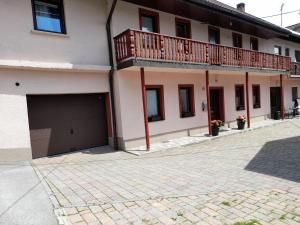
{"points": [[49, 34]]}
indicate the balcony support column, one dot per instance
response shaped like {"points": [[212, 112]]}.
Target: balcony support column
{"points": [[247, 99], [144, 96], [281, 97], [208, 102]]}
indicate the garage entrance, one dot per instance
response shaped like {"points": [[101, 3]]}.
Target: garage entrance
{"points": [[65, 123]]}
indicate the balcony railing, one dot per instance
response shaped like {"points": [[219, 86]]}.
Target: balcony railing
{"points": [[157, 47], [295, 68]]}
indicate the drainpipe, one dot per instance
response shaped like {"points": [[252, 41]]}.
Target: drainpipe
{"points": [[111, 73]]}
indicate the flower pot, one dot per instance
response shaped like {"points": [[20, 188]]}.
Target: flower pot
{"points": [[215, 131], [241, 125]]}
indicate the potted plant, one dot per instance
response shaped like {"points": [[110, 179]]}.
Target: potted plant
{"points": [[215, 127], [241, 121]]}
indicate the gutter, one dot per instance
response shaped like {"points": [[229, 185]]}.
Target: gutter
{"points": [[111, 73]]}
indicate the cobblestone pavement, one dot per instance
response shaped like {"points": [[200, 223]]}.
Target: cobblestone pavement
{"points": [[250, 176]]}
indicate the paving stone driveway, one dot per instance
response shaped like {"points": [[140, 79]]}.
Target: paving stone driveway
{"points": [[250, 176]]}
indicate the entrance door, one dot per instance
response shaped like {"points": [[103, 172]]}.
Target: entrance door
{"points": [[275, 100], [217, 103], [65, 123]]}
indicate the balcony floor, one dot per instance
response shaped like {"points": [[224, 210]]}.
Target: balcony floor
{"points": [[136, 62]]}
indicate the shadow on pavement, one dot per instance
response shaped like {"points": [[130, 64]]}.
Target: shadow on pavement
{"points": [[280, 158]]}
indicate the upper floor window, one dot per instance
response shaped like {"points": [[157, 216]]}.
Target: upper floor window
{"points": [[239, 97], [213, 35], [254, 44], [48, 15], [277, 50], [183, 28], [287, 52], [186, 100], [237, 40], [297, 56], [155, 102], [149, 21]]}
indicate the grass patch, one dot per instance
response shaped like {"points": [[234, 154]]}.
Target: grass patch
{"points": [[226, 203], [146, 222], [251, 222], [282, 217], [179, 214]]}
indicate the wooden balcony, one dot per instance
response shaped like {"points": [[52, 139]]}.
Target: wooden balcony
{"points": [[136, 44], [295, 68]]}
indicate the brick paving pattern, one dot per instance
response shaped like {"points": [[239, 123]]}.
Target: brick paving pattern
{"points": [[249, 176]]}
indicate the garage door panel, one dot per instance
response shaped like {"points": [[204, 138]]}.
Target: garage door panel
{"points": [[64, 123]]}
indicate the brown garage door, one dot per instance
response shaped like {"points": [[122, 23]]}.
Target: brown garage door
{"points": [[64, 123]]}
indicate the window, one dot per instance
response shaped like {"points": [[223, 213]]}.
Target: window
{"points": [[239, 97], [294, 93], [297, 56], [149, 21], [237, 40], [256, 96], [186, 100], [277, 50], [213, 35], [254, 44], [287, 52], [155, 103], [48, 15], [183, 28]]}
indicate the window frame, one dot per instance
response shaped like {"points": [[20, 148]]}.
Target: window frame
{"points": [[186, 22], [259, 96], [287, 52], [254, 39], [239, 37], [210, 29], [149, 13], [61, 6], [242, 107], [297, 57], [191, 99], [279, 50], [293, 88], [161, 103]]}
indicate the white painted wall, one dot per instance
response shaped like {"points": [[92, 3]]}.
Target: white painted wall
{"points": [[14, 129], [85, 42], [127, 16]]}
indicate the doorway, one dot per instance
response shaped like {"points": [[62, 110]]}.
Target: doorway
{"points": [[275, 102], [217, 103]]}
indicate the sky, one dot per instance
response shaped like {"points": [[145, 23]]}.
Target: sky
{"points": [[261, 8]]}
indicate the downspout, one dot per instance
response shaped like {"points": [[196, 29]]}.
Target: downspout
{"points": [[111, 73]]}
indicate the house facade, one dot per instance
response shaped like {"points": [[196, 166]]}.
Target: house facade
{"points": [[80, 74]]}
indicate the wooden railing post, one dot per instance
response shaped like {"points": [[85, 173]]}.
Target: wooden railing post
{"points": [[225, 56], [207, 53], [186, 50], [132, 52], [162, 47]]}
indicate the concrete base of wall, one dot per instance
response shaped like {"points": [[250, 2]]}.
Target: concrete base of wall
{"points": [[15, 155], [233, 124], [129, 144]]}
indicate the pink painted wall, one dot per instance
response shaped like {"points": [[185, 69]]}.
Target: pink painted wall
{"points": [[130, 113]]}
